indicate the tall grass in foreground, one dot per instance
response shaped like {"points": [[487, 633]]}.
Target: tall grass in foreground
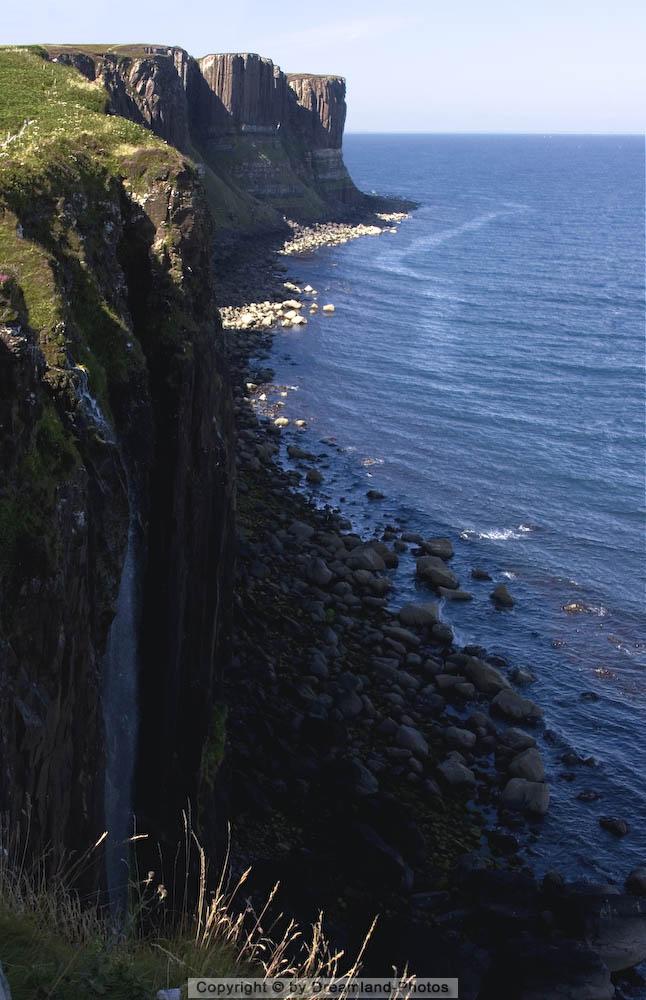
{"points": [[57, 944]]}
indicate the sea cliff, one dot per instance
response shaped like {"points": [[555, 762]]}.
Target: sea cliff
{"points": [[269, 142], [159, 572], [115, 413]]}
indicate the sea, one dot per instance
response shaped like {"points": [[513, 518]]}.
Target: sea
{"points": [[484, 370]]}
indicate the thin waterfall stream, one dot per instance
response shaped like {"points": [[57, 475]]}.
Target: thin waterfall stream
{"points": [[120, 687], [120, 673]]}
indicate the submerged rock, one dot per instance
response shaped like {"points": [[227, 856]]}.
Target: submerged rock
{"points": [[501, 597], [613, 824]]}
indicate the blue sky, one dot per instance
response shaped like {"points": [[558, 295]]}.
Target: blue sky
{"points": [[412, 65]]}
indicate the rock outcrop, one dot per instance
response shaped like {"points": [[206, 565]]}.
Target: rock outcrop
{"points": [[265, 135]]}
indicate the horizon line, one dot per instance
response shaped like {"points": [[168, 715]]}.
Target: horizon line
{"points": [[543, 132]]}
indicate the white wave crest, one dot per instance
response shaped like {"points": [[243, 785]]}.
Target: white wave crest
{"points": [[497, 534]]}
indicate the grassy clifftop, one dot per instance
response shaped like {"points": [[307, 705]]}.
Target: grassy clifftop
{"points": [[56, 140]]}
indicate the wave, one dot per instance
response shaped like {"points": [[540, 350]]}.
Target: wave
{"points": [[498, 534], [435, 239], [579, 608]]}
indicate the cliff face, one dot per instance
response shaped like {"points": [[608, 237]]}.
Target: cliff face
{"points": [[272, 138], [149, 89], [116, 436], [319, 113], [245, 91], [115, 411]]}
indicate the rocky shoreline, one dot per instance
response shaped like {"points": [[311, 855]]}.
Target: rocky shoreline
{"points": [[373, 766], [282, 307]]}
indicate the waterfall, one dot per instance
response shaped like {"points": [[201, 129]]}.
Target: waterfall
{"points": [[119, 699], [119, 689], [89, 405]]}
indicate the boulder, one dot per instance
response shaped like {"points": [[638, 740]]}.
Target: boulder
{"points": [[329, 308], [613, 824], [349, 704], [486, 678], [442, 634], [456, 774], [419, 615], [390, 558], [636, 881], [298, 454], [480, 574], [301, 530], [461, 739], [364, 557], [314, 476], [434, 571], [409, 738], [516, 740], [402, 635], [318, 572], [501, 597], [454, 595], [513, 706], [441, 547], [526, 796], [529, 765], [363, 781]]}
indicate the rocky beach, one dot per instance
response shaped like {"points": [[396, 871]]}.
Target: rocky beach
{"points": [[371, 751]]}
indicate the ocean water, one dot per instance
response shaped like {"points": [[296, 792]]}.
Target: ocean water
{"points": [[484, 368]]}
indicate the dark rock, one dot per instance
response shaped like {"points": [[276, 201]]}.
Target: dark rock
{"points": [[441, 547], [529, 765], [615, 825], [411, 739], [513, 706], [434, 571], [419, 615], [317, 572], [501, 597], [636, 881], [526, 796]]}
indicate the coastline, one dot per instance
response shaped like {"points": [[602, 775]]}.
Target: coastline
{"points": [[339, 675]]}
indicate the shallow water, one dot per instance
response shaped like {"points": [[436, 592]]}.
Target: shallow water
{"points": [[485, 370]]}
